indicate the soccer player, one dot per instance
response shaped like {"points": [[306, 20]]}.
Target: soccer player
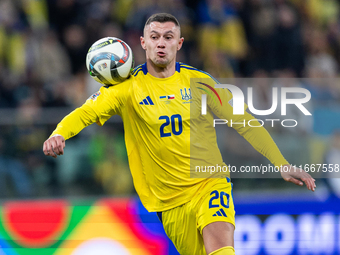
{"points": [[164, 136]]}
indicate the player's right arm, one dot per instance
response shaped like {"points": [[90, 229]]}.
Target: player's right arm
{"points": [[70, 126], [97, 109], [54, 146]]}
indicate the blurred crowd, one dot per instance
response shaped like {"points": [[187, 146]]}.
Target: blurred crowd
{"points": [[43, 45]]}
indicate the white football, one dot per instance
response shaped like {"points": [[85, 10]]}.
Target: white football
{"points": [[109, 61]]}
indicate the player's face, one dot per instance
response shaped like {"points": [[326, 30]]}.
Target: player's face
{"points": [[161, 42]]}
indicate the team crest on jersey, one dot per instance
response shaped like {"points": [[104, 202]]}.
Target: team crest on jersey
{"points": [[186, 95], [94, 96]]}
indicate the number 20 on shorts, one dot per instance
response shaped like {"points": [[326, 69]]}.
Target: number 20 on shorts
{"points": [[221, 197]]}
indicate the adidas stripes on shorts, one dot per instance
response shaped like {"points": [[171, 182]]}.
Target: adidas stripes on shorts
{"points": [[184, 224]]}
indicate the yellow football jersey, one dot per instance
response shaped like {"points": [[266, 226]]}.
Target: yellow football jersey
{"points": [[165, 133]]}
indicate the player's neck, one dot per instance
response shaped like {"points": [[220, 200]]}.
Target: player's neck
{"points": [[160, 72]]}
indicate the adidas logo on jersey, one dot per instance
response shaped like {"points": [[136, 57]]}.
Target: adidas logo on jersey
{"points": [[146, 101], [220, 212]]}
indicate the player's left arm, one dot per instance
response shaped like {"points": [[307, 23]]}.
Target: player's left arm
{"points": [[297, 176], [260, 139]]}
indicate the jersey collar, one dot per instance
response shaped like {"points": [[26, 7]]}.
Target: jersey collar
{"points": [[145, 69]]}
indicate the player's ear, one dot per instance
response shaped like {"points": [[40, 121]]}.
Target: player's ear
{"points": [[180, 43], [142, 42]]}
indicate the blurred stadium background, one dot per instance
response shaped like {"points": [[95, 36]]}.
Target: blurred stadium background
{"points": [[84, 202]]}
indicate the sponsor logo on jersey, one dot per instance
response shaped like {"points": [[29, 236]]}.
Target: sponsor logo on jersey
{"points": [[220, 212], [146, 101]]}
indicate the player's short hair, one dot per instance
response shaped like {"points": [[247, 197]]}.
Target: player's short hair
{"points": [[162, 18]]}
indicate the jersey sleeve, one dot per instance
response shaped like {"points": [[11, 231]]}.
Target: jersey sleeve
{"points": [[260, 139], [98, 108], [221, 104], [106, 102]]}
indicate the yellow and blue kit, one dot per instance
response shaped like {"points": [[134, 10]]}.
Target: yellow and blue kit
{"points": [[165, 131]]}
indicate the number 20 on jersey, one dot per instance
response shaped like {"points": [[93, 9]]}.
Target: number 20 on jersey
{"points": [[175, 121]]}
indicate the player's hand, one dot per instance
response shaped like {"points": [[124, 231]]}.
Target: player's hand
{"points": [[54, 146], [297, 176]]}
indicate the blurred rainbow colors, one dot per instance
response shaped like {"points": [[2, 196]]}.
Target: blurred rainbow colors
{"points": [[108, 226]]}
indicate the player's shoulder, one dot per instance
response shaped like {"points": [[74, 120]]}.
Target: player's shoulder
{"points": [[124, 85], [194, 72], [140, 70]]}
